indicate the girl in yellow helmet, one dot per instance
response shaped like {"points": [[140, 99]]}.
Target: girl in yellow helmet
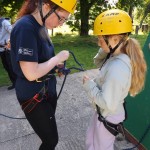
{"points": [[33, 57], [122, 71]]}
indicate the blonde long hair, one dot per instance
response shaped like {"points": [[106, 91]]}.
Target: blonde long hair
{"points": [[132, 48]]}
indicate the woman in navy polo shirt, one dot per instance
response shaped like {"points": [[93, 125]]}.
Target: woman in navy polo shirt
{"points": [[33, 60]]}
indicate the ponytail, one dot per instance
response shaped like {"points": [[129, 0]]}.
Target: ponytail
{"points": [[28, 7], [132, 48]]}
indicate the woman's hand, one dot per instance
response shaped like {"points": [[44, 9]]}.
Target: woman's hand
{"points": [[35, 70], [85, 78], [62, 56], [59, 66], [7, 46]]}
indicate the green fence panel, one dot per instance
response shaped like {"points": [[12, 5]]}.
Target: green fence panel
{"points": [[138, 108]]}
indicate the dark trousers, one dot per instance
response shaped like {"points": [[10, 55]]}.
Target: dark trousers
{"points": [[42, 120], [6, 61]]}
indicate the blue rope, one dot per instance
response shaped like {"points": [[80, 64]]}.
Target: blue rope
{"points": [[11, 117], [142, 138]]}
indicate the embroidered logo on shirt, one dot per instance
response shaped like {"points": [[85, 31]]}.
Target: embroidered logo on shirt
{"points": [[25, 51]]}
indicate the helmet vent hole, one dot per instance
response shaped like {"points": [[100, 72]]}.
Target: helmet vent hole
{"points": [[101, 30], [101, 23], [60, 1], [120, 21]]}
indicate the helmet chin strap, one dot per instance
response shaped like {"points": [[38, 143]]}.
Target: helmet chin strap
{"points": [[48, 14], [112, 50]]}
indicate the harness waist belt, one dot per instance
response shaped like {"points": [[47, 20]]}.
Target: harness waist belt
{"points": [[112, 128], [45, 77], [30, 104]]}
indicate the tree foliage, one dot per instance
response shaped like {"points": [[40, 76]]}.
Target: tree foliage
{"points": [[86, 12], [9, 8]]}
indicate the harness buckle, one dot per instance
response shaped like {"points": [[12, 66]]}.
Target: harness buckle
{"points": [[44, 78], [37, 80]]}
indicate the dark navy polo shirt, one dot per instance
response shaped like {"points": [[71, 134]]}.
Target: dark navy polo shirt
{"points": [[30, 42]]}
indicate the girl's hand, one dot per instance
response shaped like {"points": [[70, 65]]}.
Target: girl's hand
{"points": [[85, 78]]}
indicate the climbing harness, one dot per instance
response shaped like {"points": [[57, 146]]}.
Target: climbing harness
{"points": [[114, 129], [29, 105]]}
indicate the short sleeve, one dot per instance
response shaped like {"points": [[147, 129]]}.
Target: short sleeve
{"points": [[7, 26], [26, 44]]}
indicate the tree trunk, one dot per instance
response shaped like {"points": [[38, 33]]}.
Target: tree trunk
{"points": [[84, 11], [142, 20], [130, 12], [137, 30], [138, 27]]}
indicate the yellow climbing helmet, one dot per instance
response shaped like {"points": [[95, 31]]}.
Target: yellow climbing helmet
{"points": [[112, 21], [68, 5]]}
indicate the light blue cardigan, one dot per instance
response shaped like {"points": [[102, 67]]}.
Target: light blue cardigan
{"points": [[110, 87]]}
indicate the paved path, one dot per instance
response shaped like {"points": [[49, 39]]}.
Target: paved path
{"points": [[73, 115]]}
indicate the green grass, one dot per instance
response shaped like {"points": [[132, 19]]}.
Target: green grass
{"points": [[140, 38], [84, 49], [4, 80]]}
